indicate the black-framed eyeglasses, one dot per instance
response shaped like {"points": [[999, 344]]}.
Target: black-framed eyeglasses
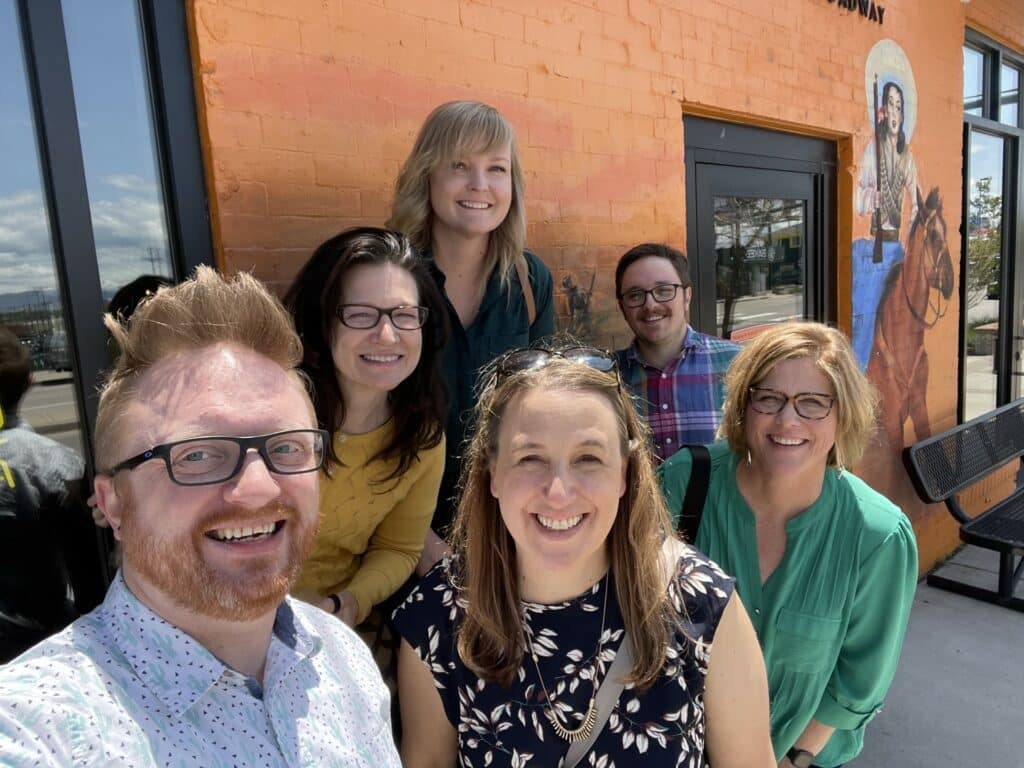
{"points": [[661, 293], [534, 357], [808, 405], [363, 316], [210, 460]]}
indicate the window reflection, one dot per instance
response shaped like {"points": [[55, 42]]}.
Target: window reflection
{"points": [[1009, 94], [974, 74], [30, 300], [760, 262], [105, 48], [982, 278]]}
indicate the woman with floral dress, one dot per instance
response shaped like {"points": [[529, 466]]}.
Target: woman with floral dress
{"points": [[555, 569]]}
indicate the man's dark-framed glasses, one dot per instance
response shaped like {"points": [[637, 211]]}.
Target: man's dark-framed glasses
{"points": [[363, 316], [808, 405], [210, 460], [661, 293], [534, 357]]}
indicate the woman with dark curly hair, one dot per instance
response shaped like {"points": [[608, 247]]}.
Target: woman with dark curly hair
{"points": [[372, 328]]}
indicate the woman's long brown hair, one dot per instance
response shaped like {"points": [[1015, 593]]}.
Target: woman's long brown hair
{"points": [[491, 639]]}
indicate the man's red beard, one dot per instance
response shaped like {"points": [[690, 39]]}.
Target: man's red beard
{"points": [[178, 570]]}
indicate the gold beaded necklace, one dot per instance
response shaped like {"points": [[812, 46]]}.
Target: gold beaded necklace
{"points": [[586, 727]]}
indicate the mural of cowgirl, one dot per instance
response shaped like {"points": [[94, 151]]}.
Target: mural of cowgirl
{"points": [[887, 185]]}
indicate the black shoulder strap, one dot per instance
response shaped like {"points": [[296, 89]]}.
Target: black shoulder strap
{"points": [[696, 493]]}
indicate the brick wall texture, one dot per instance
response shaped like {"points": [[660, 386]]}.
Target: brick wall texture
{"points": [[310, 106], [1002, 20]]}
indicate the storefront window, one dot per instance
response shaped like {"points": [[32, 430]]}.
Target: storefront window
{"points": [[974, 81], [30, 298], [112, 99], [1009, 95]]}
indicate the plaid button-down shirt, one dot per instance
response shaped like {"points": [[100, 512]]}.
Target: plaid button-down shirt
{"points": [[682, 403]]}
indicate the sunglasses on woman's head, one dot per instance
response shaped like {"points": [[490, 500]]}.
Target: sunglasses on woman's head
{"points": [[534, 357]]}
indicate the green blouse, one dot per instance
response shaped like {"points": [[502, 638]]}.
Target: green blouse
{"points": [[832, 616]]}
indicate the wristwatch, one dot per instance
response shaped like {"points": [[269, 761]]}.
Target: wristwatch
{"points": [[800, 758]]}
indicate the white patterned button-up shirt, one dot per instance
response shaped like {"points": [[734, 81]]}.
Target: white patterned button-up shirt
{"points": [[122, 687]]}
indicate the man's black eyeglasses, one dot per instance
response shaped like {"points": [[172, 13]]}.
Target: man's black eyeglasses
{"points": [[364, 316], [210, 460], [534, 357], [808, 405], [662, 293]]}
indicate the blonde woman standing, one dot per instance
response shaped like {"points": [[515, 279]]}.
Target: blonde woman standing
{"points": [[459, 199]]}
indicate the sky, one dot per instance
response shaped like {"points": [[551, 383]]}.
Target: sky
{"points": [[112, 105]]}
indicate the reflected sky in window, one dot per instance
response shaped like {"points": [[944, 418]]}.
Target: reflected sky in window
{"points": [[118, 144], [116, 129], [26, 255]]}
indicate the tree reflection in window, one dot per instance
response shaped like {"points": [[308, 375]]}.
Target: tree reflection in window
{"points": [[759, 247]]}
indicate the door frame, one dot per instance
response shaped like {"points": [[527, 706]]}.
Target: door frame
{"points": [[716, 142]]}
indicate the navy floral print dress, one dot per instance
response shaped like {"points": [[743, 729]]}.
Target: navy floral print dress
{"points": [[498, 726]]}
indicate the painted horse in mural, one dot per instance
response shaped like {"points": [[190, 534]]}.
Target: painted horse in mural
{"points": [[915, 296]]}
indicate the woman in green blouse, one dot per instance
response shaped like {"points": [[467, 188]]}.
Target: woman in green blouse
{"points": [[825, 565]]}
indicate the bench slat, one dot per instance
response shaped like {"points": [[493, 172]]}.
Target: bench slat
{"points": [[1004, 524]]}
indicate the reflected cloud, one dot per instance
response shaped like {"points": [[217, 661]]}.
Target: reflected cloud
{"points": [[130, 183], [130, 235]]}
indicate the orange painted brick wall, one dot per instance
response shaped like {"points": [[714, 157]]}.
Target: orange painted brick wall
{"points": [[1001, 20], [310, 106]]}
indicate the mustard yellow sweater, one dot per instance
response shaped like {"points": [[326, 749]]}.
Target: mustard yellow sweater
{"points": [[371, 535]]}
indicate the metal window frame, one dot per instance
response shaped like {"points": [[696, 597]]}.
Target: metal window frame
{"points": [[995, 56], [1011, 278]]}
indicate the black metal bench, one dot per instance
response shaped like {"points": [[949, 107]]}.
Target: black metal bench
{"points": [[946, 464]]}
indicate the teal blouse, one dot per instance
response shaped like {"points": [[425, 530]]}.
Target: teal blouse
{"points": [[501, 324], [832, 616]]}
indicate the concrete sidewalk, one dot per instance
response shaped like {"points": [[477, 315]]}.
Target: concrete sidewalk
{"points": [[958, 696]]}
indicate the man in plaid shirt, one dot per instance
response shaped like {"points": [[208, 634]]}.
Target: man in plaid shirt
{"points": [[676, 374]]}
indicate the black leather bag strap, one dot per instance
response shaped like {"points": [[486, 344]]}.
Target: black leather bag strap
{"points": [[696, 493]]}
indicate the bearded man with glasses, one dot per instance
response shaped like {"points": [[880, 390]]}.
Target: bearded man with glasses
{"points": [[675, 373], [208, 457]]}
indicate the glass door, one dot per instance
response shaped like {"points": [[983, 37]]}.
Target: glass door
{"points": [[102, 181], [992, 260], [754, 238], [982, 273], [760, 220]]}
